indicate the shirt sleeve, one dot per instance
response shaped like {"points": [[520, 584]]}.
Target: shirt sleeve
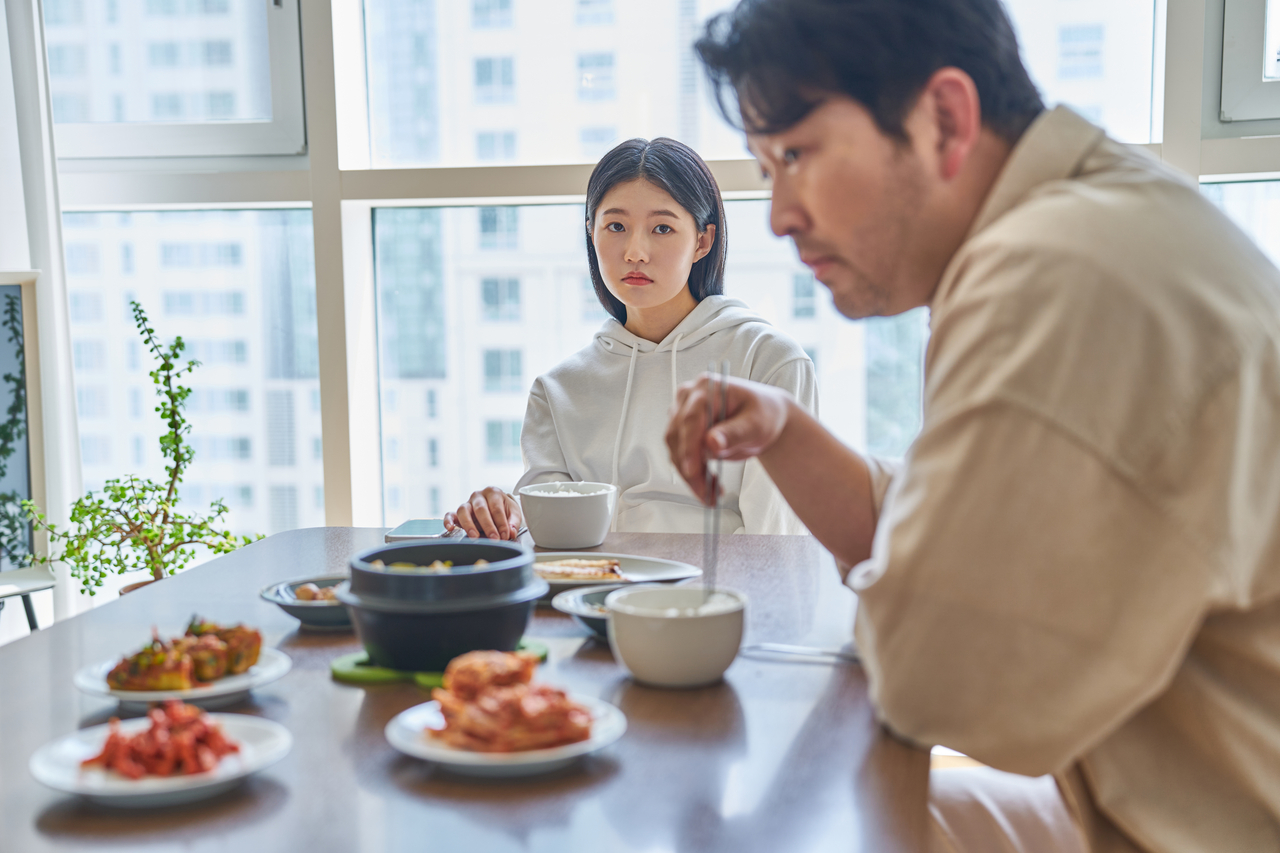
{"points": [[1023, 598], [544, 460], [763, 508]]}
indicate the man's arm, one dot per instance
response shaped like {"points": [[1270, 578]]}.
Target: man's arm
{"points": [[827, 484]]}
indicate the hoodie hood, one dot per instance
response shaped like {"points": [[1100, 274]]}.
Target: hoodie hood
{"points": [[711, 315]]}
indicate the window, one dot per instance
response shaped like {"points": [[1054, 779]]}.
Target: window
{"points": [[480, 394], [595, 77], [1098, 58], [434, 498], [317, 449], [283, 509], [895, 382], [89, 356], [495, 80], [220, 448], [91, 401], [218, 400], [63, 13], [597, 141], [280, 432], [216, 54], [67, 60], [1080, 51], [82, 258], [502, 442], [238, 287], [95, 449], [200, 254], [496, 145], [418, 58], [499, 227], [203, 303], [126, 258], [393, 450], [490, 13], [595, 11], [183, 78], [218, 352], [85, 307], [502, 370], [803, 306], [164, 54], [500, 298]]}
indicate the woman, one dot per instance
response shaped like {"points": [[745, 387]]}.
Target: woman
{"points": [[656, 248]]}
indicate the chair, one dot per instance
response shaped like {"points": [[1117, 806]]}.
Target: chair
{"points": [[23, 582]]}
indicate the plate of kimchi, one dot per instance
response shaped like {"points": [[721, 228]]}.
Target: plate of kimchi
{"points": [[490, 719], [210, 665], [178, 753]]}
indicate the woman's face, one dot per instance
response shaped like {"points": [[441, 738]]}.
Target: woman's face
{"points": [[646, 244]]}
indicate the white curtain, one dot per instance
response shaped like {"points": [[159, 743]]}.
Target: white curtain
{"points": [[31, 238]]}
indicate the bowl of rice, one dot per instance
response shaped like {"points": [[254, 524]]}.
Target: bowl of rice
{"points": [[568, 515]]}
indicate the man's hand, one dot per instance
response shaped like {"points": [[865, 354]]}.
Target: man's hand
{"points": [[490, 512], [755, 417]]}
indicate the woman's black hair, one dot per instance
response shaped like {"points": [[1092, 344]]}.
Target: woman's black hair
{"points": [[676, 169], [773, 61]]}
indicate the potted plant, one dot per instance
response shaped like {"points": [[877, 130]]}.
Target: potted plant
{"points": [[135, 524]]}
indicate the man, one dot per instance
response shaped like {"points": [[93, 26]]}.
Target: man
{"points": [[1076, 570]]}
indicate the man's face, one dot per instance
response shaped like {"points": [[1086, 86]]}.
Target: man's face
{"points": [[851, 198]]}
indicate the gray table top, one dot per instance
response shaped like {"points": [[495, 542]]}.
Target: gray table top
{"points": [[781, 756]]}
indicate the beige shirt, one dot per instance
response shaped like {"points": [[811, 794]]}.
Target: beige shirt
{"points": [[1077, 569]]}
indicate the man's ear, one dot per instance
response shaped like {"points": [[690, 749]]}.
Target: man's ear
{"points": [[706, 239], [955, 111]]}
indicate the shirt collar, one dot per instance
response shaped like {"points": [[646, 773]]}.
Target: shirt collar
{"points": [[1052, 148]]}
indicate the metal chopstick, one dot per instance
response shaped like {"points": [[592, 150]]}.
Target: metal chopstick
{"points": [[717, 408]]}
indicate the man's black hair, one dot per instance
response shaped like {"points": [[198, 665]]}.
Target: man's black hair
{"points": [[773, 61], [678, 170]]}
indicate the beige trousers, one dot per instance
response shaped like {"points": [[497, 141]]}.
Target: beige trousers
{"points": [[982, 810]]}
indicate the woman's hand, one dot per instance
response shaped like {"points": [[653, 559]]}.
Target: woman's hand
{"points": [[490, 512], [755, 417]]}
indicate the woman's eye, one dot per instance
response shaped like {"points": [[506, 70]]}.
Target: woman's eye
{"points": [[662, 228], [615, 227], [790, 156]]}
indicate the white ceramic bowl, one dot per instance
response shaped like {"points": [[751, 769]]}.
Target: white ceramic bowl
{"points": [[568, 515], [657, 634]]}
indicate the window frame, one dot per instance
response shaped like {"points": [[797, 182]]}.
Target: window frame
{"points": [[337, 182], [284, 133]]}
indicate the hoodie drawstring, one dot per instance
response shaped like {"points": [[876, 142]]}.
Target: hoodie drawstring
{"points": [[622, 422], [675, 384]]}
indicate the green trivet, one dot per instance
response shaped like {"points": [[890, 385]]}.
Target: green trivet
{"points": [[355, 668]]}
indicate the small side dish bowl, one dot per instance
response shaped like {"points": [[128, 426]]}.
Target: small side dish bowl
{"points": [[568, 515], [586, 605], [330, 615], [675, 636]]}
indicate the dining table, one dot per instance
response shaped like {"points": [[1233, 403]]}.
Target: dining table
{"points": [[784, 755]]}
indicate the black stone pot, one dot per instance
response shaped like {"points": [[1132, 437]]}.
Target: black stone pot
{"points": [[418, 621]]}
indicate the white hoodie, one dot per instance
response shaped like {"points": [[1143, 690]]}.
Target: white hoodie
{"points": [[601, 416]]}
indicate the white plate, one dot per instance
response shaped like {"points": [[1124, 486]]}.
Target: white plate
{"points": [[634, 569], [272, 664], [57, 764], [407, 732]]}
